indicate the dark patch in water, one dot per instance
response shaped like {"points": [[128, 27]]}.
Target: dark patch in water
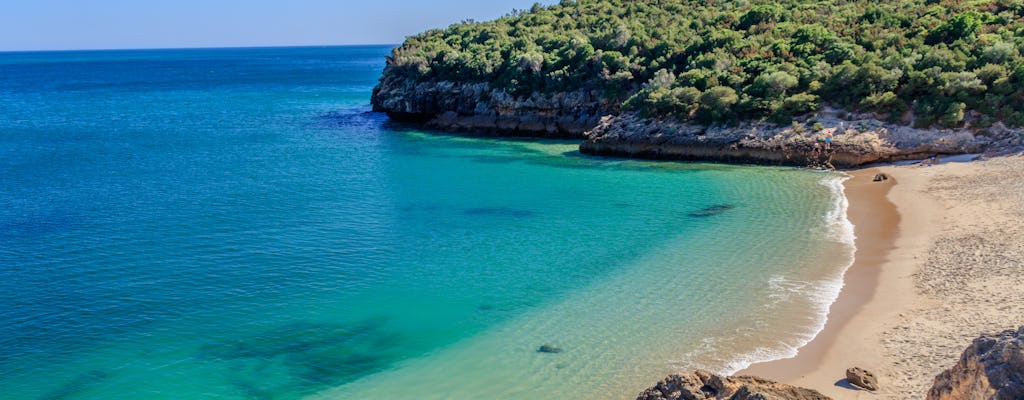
{"points": [[350, 119], [39, 224], [499, 212], [494, 159], [251, 391], [485, 307], [713, 210], [547, 348], [316, 356], [82, 382]]}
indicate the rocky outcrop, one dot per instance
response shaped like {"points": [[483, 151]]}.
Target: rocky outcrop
{"points": [[855, 140], [992, 368], [475, 107], [862, 378], [703, 385]]}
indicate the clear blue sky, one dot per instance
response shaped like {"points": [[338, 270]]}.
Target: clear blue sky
{"points": [[119, 24]]}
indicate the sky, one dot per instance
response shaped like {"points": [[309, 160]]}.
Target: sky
{"points": [[141, 24]]}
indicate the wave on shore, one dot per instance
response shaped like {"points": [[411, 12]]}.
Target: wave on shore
{"points": [[822, 293]]}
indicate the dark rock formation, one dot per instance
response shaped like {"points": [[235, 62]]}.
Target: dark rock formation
{"points": [[703, 385], [862, 378], [857, 139], [476, 108], [992, 368], [549, 349], [880, 178]]}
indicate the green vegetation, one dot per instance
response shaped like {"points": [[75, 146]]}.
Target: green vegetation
{"points": [[719, 61]]}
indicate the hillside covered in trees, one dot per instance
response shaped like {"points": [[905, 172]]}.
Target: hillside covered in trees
{"points": [[926, 63]]}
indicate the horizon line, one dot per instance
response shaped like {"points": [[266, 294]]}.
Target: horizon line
{"points": [[201, 47]]}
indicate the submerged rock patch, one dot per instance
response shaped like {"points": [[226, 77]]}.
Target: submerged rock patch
{"points": [[349, 119], [304, 357], [81, 382], [547, 348], [712, 210]]}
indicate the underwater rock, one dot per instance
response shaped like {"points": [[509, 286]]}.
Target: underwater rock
{"points": [[549, 349], [82, 382], [316, 356], [713, 210]]}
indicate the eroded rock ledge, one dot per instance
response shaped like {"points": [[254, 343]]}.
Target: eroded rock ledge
{"points": [[476, 108], [855, 141]]}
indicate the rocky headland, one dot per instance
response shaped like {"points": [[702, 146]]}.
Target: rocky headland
{"points": [[855, 139], [479, 109], [749, 82]]}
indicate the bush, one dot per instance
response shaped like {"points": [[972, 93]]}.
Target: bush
{"points": [[710, 62]]}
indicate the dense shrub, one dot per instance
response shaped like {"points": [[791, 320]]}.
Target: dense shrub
{"points": [[719, 61]]}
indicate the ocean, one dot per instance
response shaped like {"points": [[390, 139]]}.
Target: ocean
{"points": [[237, 224]]}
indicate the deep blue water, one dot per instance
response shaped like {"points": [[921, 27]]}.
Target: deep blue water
{"points": [[235, 223]]}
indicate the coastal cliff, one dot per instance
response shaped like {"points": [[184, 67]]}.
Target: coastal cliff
{"points": [[856, 139], [752, 82], [478, 108]]}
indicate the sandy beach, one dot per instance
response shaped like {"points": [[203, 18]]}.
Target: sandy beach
{"points": [[940, 260]]}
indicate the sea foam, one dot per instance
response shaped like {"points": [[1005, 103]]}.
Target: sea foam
{"points": [[822, 293]]}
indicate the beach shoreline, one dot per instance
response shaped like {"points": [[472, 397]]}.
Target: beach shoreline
{"points": [[891, 316], [877, 226]]}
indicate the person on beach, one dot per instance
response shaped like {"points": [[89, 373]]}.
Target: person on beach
{"points": [[815, 158]]}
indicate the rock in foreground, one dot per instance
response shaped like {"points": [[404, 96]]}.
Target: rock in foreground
{"points": [[703, 385], [862, 378], [992, 368]]}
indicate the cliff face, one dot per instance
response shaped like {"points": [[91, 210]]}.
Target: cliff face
{"points": [[855, 140], [992, 368], [477, 108]]}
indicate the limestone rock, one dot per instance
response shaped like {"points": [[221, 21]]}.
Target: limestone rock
{"points": [[703, 385], [992, 368], [862, 378], [863, 140]]}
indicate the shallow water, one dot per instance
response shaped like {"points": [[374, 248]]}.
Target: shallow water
{"points": [[233, 223]]}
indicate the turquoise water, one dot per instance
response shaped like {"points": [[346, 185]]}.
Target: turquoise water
{"points": [[235, 224]]}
